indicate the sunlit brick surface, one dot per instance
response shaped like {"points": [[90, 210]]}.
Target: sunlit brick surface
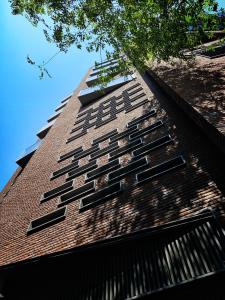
{"points": [[169, 197]]}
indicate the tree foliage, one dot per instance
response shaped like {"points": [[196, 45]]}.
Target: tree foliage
{"points": [[139, 29]]}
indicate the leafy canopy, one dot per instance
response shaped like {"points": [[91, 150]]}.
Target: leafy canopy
{"points": [[140, 29]]}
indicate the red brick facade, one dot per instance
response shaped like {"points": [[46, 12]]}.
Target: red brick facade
{"points": [[177, 194]]}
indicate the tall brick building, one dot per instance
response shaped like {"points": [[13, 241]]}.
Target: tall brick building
{"points": [[121, 198]]}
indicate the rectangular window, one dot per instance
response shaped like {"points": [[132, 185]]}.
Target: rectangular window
{"points": [[113, 165], [105, 137], [123, 134], [81, 170], [132, 87], [86, 152], [80, 121], [104, 151], [135, 91], [47, 220], [136, 106], [100, 196], [141, 118], [76, 136], [84, 113], [71, 153], [161, 169], [103, 122], [57, 191], [76, 129], [77, 193], [65, 170], [146, 130], [141, 95], [128, 169], [120, 107], [125, 149], [165, 140]]}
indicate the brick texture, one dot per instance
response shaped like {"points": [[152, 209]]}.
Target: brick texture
{"points": [[198, 88], [172, 196]]}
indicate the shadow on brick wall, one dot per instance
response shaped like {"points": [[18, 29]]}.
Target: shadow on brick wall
{"points": [[178, 194], [202, 86]]}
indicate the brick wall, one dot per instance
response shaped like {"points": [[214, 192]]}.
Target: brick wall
{"points": [[198, 88], [172, 196]]}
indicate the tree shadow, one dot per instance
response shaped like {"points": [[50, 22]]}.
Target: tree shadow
{"points": [[201, 83], [178, 194]]}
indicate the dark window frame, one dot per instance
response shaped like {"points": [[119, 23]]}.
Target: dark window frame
{"points": [[159, 173], [54, 217], [57, 192]]}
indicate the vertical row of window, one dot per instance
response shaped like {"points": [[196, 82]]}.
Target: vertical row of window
{"points": [[130, 99]]}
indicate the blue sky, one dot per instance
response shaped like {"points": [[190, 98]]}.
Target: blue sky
{"points": [[25, 100]]}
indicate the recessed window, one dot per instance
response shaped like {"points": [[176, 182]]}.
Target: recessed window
{"points": [[65, 170], [141, 118], [84, 113], [125, 149], [104, 151], [106, 117], [77, 193], [103, 122], [80, 121], [113, 165], [47, 220], [132, 99], [135, 91], [107, 109], [132, 87], [100, 196], [136, 105], [165, 140], [114, 105], [76, 128], [81, 170], [161, 169], [57, 191], [76, 136], [86, 152], [126, 170], [71, 153], [105, 137], [146, 130], [120, 107], [123, 134], [92, 121]]}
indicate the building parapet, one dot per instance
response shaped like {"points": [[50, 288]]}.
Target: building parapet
{"points": [[26, 155]]}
